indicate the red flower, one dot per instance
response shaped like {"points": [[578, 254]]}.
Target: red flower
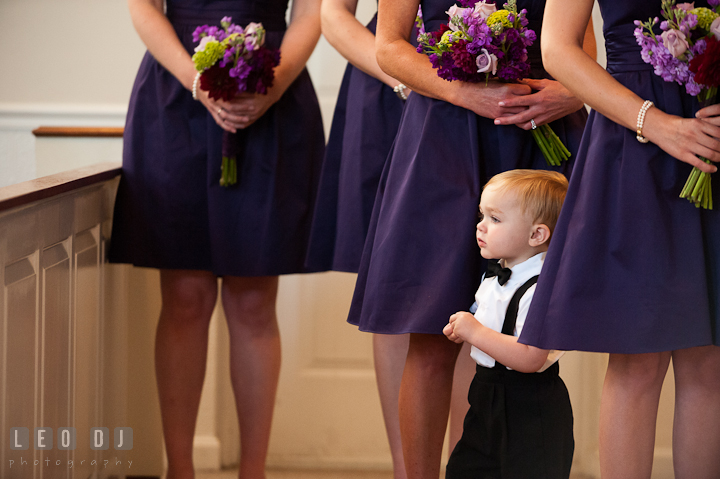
{"points": [[462, 58], [706, 66], [218, 83]]}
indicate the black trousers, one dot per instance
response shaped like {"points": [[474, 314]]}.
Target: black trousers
{"points": [[519, 426]]}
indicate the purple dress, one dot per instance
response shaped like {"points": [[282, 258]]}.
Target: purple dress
{"points": [[171, 211], [421, 263], [364, 124], [631, 268]]}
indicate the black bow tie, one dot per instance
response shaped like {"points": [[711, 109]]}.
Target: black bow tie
{"points": [[494, 269]]}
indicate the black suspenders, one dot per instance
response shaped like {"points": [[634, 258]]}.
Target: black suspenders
{"points": [[512, 311]]}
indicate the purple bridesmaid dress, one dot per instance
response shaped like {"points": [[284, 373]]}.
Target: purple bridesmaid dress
{"points": [[171, 211], [421, 263], [631, 268]]}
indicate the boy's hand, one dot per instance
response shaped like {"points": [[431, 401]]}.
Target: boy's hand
{"points": [[462, 327]]}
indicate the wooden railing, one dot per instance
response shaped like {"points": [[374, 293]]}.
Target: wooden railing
{"points": [[53, 233]]}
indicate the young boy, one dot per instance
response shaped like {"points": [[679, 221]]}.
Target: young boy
{"points": [[520, 423]]}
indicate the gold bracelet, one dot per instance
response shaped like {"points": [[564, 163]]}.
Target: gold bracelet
{"points": [[641, 120]]}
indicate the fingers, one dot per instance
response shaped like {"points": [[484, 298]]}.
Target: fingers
{"points": [[698, 163], [217, 116], [534, 84], [710, 139], [234, 120], [709, 112], [521, 119]]}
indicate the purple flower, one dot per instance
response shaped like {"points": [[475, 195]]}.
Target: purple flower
{"points": [[693, 88], [529, 37], [199, 31], [486, 62], [228, 58], [713, 3], [234, 29]]}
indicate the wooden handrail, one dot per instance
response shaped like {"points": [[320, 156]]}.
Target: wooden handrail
{"points": [[79, 131], [26, 192]]}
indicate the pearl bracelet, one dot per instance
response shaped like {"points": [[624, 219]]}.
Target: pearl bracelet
{"points": [[195, 85], [400, 91], [641, 120]]}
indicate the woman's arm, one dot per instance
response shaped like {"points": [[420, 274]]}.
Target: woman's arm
{"points": [[159, 37], [298, 44], [399, 59], [563, 56], [351, 39]]}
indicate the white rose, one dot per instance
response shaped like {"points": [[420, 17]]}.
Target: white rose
{"points": [[484, 10], [203, 43], [674, 41], [453, 12], [715, 28]]}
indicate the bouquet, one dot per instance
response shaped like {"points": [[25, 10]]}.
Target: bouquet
{"points": [[480, 43], [687, 52], [233, 60]]}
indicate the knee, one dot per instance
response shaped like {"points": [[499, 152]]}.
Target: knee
{"points": [[435, 354], [189, 301], [251, 304], [698, 367], [639, 371]]}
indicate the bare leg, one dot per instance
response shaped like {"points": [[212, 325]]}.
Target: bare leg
{"points": [[188, 299], [459, 405], [628, 413], [425, 402], [249, 305], [390, 352], [696, 431]]}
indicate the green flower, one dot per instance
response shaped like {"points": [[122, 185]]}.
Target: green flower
{"points": [[207, 57], [501, 16], [451, 37], [705, 17]]}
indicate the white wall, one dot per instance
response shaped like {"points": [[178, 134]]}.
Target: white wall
{"points": [[73, 62]]}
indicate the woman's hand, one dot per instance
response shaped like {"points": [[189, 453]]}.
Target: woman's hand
{"points": [[485, 100], [548, 102], [239, 113], [711, 114], [687, 138]]}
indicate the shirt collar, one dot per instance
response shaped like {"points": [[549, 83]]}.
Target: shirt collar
{"points": [[521, 272]]}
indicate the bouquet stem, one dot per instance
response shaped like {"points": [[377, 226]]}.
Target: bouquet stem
{"points": [[550, 144], [698, 187], [229, 160]]}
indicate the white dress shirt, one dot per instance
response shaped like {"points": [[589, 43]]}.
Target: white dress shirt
{"points": [[492, 301]]}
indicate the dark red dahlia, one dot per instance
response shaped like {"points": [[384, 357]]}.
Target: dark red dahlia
{"points": [[462, 58], [218, 83], [706, 66], [262, 74]]}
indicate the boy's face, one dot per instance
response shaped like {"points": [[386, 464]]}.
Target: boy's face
{"points": [[504, 230]]}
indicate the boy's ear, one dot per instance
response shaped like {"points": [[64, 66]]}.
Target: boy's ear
{"points": [[540, 234]]}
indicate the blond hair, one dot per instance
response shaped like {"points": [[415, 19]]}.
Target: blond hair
{"points": [[541, 193]]}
